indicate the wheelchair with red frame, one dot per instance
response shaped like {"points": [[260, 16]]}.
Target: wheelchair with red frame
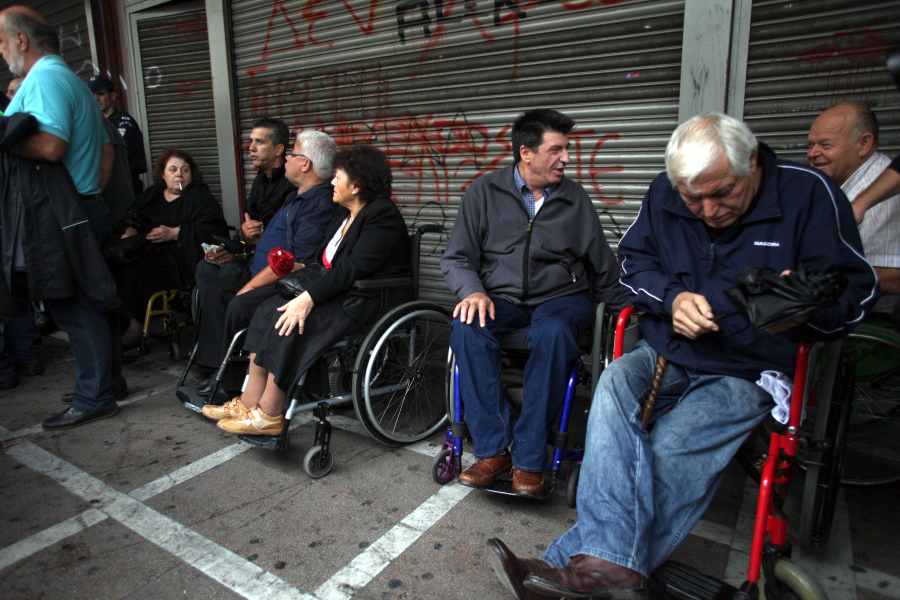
{"points": [[824, 382]]}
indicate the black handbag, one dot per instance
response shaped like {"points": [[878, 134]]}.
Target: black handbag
{"points": [[127, 250], [293, 284]]}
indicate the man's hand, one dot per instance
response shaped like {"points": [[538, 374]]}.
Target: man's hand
{"points": [[223, 256], [476, 303], [251, 229], [129, 232], [162, 233], [692, 315]]}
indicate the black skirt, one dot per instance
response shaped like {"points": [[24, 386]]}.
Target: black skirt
{"points": [[289, 357]]}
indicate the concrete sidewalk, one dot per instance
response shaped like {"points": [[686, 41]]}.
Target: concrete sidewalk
{"points": [[159, 503]]}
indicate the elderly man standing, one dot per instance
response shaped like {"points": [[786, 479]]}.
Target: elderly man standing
{"points": [[70, 131], [843, 142], [526, 250], [724, 203]]}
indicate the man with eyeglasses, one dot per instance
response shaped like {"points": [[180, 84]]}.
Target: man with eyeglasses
{"points": [[298, 228]]}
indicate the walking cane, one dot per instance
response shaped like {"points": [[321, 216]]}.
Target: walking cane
{"points": [[654, 390]]}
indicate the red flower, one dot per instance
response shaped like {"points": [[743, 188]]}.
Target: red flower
{"points": [[281, 261]]}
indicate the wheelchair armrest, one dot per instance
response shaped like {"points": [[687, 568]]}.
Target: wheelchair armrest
{"points": [[383, 284]]}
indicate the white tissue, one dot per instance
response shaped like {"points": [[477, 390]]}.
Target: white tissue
{"points": [[780, 387]]}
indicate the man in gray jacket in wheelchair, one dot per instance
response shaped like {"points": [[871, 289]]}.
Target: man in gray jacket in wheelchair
{"points": [[525, 252], [725, 202]]}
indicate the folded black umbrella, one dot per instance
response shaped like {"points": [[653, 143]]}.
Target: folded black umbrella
{"points": [[765, 299]]}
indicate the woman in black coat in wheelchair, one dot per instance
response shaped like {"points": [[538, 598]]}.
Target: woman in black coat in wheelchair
{"points": [[175, 216], [366, 239]]}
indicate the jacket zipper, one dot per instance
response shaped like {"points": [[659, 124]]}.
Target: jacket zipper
{"points": [[525, 260]]}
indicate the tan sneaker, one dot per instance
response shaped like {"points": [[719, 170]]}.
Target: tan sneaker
{"points": [[255, 422], [233, 409]]}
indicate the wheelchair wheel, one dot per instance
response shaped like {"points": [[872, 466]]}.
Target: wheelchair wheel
{"points": [[572, 485], [443, 468], [825, 453], [792, 583], [872, 452], [315, 465], [398, 379]]}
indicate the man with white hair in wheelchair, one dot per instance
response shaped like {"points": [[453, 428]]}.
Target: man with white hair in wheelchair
{"points": [[725, 202]]}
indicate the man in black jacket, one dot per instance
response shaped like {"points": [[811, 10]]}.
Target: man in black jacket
{"points": [[125, 125], [267, 145]]}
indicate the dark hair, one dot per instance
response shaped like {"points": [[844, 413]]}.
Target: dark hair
{"points": [[529, 128], [367, 168], [278, 131], [35, 29], [159, 165]]}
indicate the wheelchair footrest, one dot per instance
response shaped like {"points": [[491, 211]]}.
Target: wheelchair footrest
{"points": [[687, 583], [194, 401], [505, 488], [268, 442]]}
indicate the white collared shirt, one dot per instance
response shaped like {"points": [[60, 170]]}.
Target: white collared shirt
{"points": [[880, 229]]}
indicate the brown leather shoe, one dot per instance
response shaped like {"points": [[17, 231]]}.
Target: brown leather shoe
{"points": [[527, 484], [511, 570], [585, 577], [485, 471]]}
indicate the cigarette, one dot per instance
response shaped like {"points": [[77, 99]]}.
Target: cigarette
{"points": [[179, 186]]}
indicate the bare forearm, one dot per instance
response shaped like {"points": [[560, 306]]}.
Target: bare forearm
{"points": [[887, 185], [265, 277], [888, 279], [42, 146]]}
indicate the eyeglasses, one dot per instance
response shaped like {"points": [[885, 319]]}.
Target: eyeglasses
{"points": [[291, 154]]}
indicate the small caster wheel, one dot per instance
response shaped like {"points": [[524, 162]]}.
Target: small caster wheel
{"points": [[174, 350], [572, 485], [443, 468], [314, 465]]}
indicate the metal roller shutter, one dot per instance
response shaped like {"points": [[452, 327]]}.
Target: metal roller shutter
{"points": [[808, 55], [178, 89], [68, 18], [437, 85]]}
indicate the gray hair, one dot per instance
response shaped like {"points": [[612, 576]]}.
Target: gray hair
{"points": [[39, 34], [320, 148], [865, 122], [700, 142]]}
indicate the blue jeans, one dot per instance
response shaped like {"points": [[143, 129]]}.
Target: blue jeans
{"points": [[640, 494], [93, 334], [20, 342], [551, 330]]}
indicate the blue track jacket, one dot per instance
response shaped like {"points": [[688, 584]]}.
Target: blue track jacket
{"points": [[802, 217]]}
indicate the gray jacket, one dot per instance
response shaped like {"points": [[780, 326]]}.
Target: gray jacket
{"points": [[494, 249]]}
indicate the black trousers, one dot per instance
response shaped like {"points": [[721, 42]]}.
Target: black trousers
{"points": [[225, 313]]}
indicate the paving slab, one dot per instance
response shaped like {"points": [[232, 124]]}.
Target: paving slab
{"points": [[103, 561], [30, 502]]}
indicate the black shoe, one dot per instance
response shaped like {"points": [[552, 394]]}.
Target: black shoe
{"points": [[8, 383], [72, 417], [29, 369], [118, 394], [207, 388]]}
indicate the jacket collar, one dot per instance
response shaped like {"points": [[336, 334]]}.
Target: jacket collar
{"points": [[504, 180], [768, 206]]}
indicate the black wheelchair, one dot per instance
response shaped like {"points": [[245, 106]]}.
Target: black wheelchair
{"points": [[447, 465], [392, 374]]}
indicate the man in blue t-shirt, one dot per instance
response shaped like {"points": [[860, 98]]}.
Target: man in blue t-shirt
{"points": [[70, 130], [299, 228]]}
